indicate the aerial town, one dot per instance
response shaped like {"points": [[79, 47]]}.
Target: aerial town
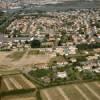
{"points": [[49, 55]]}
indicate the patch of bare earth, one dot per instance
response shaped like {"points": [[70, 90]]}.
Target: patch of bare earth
{"points": [[25, 60]]}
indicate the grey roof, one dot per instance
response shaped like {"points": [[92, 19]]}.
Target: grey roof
{"points": [[22, 38], [3, 38]]}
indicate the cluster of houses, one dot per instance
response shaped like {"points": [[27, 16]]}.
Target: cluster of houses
{"points": [[92, 64], [65, 28], [81, 26], [11, 43]]}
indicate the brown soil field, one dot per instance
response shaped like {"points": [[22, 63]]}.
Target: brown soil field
{"points": [[25, 60], [27, 96], [15, 82], [80, 91]]}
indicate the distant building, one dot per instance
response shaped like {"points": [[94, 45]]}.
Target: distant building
{"points": [[61, 74]]}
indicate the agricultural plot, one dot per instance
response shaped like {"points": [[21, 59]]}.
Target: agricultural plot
{"points": [[27, 96], [6, 70], [82, 91], [15, 82]]}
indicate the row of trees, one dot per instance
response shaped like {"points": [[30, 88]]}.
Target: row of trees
{"points": [[88, 46]]}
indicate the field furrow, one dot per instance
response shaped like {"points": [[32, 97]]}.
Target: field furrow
{"points": [[94, 87], [47, 95], [29, 98], [81, 92], [15, 83], [27, 82], [3, 86], [92, 91], [62, 93], [72, 93], [87, 92], [97, 84], [78, 91], [21, 81], [9, 86]]}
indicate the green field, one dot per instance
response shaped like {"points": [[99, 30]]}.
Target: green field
{"points": [[81, 91]]}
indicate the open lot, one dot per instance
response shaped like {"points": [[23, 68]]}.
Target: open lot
{"points": [[21, 59], [81, 91], [16, 82], [6, 70], [16, 55]]}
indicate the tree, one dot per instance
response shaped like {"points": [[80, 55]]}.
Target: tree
{"points": [[72, 73], [47, 36], [35, 44], [88, 74]]}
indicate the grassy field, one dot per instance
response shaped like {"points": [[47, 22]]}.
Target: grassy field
{"points": [[81, 91]]}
